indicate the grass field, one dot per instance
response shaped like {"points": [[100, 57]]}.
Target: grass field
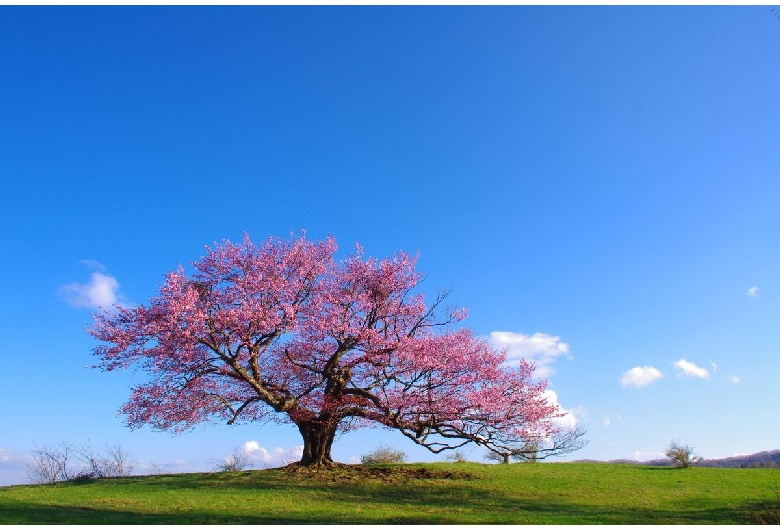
{"points": [[463, 493]]}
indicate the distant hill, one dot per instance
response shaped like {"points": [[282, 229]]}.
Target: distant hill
{"points": [[762, 459]]}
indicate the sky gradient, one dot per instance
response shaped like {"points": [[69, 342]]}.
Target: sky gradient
{"points": [[598, 185]]}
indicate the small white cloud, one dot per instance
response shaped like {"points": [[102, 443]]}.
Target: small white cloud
{"points": [[734, 379], [102, 290], [607, 421], [567, 421], [714, 366], [540, 348], [7, 456], [752, 292], [93, 265], [647, 455], [689, 369], [640, 376]]}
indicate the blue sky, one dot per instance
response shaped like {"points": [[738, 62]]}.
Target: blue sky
{"points": [[599, 185]]}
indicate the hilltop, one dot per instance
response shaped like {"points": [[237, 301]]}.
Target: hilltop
{"points": [[764, 459]]}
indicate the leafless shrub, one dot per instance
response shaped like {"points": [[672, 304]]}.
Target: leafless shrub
{"points": [[533, 449], [113, 462], [529, 452], [457, 456], [119, 463], [681, 455], [49, 464], [292, 456], [158, 469], [237, 460], [383, 455]]}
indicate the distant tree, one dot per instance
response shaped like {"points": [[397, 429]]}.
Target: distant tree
{"points": [[681, 454], [383, 455], [502, 457], [158, 469], [534, 448], [283, 331], [51, 463], [68, 460], [457, 456], [114, 461]]}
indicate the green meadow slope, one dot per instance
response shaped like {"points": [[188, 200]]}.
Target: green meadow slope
{"points": [[558, 493]]}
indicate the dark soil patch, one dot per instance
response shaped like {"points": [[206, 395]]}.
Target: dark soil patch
{"points": [[361, 473]]}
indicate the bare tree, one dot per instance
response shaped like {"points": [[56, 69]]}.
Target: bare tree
{"points": [[49, 464], [494, 456], [457, 456], [57, 463], [114, 462], [158, 469], [532, 449], [529, 452], [681, 455], [118, 462]]}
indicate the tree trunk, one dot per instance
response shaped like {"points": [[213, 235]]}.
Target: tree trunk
{"points": [[317, 440]]}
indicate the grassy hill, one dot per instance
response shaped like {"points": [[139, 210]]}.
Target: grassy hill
{"points": [[559, 493], [762, 459]]}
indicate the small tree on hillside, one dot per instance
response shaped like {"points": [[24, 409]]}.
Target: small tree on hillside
{"points": [[534, 448], [51, 463], [681, 455], [283, 331], [384, 454], [68, 460], [114, 461]]}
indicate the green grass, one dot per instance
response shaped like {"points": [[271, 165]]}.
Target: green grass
{"points": [[554, 493]]}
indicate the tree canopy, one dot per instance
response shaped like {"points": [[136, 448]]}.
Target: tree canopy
{"points": [[283, 331]]}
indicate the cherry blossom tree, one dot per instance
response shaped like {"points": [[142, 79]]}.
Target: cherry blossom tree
{"points": [[282, 331]]}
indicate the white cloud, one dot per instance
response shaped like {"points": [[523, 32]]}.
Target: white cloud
{"points": [[734, 379], [7, 456], [93, 264], [278, 456], [640, 376], [568, 421], [752, 292], [102, 290], [691, 370], [714, 366], [647, 455], [12, 467], [540, 348]]}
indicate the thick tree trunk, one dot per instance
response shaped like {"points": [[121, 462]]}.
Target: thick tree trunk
{"points": [[317, 440]]}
